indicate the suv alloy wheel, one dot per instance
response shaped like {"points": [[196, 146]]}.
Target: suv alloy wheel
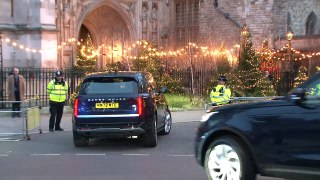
{"points": [[227, 159], [167, 123]]}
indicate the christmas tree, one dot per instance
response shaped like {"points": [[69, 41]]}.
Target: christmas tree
{"points": [[265, 57], [222, 62], [148, 60], [248, 79], [301, 77], [86, 57]]}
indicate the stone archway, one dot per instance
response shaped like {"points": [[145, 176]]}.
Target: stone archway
{"points": [[110, 27]]}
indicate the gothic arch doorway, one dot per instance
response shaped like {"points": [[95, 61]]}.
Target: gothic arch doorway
{"points": [[111, 30]]}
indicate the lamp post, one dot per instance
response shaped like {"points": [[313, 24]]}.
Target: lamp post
{"points": [[289, 73], [289, 36]]}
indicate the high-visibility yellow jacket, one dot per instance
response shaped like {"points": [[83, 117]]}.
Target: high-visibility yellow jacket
{"points": [[57, 91], [220, 94]]}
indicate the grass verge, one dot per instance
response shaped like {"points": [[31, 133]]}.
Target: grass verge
{"points": [[179, 102]]}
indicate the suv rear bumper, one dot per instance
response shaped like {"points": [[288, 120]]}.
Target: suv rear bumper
{"points": [[110, 132]]}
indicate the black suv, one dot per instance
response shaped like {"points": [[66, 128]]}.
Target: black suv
{"points": [[120, 104], [279, 138]]}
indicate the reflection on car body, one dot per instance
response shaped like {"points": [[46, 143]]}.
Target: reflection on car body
{"points": [[273, 138], [120, 104]]}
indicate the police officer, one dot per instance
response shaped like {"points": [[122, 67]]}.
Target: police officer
{"points": [[221, 93], [57, 90]]}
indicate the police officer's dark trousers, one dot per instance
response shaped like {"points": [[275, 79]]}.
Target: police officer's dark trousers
{"points": [[56, 111]]}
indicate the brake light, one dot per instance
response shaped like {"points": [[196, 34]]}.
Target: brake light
{"points": [[140, 106], [75, 107]]}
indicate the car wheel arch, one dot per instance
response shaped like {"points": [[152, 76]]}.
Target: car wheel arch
{"points": [[227, 132]]}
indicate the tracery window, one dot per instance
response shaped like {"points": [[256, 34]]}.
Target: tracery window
{"points": [[187, 21], [289, 23], [311, 24]]}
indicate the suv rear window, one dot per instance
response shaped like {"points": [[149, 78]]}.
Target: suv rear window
{"points": [[109, 85]]}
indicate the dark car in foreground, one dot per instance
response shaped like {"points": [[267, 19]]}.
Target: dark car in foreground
{"points": [[120, 104], [278, 138]]}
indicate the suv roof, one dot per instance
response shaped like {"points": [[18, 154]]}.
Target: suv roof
{"points": [[116, 74]]}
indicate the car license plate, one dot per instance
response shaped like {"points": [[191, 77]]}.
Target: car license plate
{"points": [[107, 105]]}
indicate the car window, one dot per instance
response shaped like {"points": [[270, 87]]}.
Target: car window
{"points": [[140, 84], [109, 85]]}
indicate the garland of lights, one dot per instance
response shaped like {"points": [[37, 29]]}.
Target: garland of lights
{"points": [[144, 44]]}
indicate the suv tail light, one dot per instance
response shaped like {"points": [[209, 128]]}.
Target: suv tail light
{"points": [[76, 107], [140, 106]]}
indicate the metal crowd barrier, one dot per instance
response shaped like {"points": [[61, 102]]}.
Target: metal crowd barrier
{"points": [[19, 127], [209, 105]]}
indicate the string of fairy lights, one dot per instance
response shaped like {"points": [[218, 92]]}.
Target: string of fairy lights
{"points": [[201, 51], [283, 51]]}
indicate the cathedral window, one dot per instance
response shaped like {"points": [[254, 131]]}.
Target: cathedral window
{"points": [[311, 24], [289, 22], [187, 21], [215, 3]]}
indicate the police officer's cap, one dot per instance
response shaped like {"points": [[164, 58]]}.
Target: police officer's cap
{"points": [[58, 73], [222, 78]]}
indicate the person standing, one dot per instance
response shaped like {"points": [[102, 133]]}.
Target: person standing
{"points": [[57, 90], [16, 91], [221, 93]]}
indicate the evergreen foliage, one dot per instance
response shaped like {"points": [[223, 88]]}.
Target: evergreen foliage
{"points": [[248, 79], [147, 61], [222, 62], [85, 60], [266, 58], [223, 68], [301, 77]]}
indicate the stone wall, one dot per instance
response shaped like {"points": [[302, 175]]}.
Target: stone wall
{"points": [[30, 21], [300, 11], [216, 27], [43, 24], [266, 19]]}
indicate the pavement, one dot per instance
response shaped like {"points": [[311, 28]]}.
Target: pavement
{"points": [[15, 128]]}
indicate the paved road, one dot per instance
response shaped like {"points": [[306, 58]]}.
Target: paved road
{"points": [[52, 156]]}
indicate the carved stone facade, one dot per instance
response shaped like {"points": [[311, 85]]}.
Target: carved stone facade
{"points": [[266, 19], [52, 26]]}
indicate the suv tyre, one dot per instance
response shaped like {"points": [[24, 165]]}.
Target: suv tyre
{"points": [[150, 138], [167, 123], [225, 157]]}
